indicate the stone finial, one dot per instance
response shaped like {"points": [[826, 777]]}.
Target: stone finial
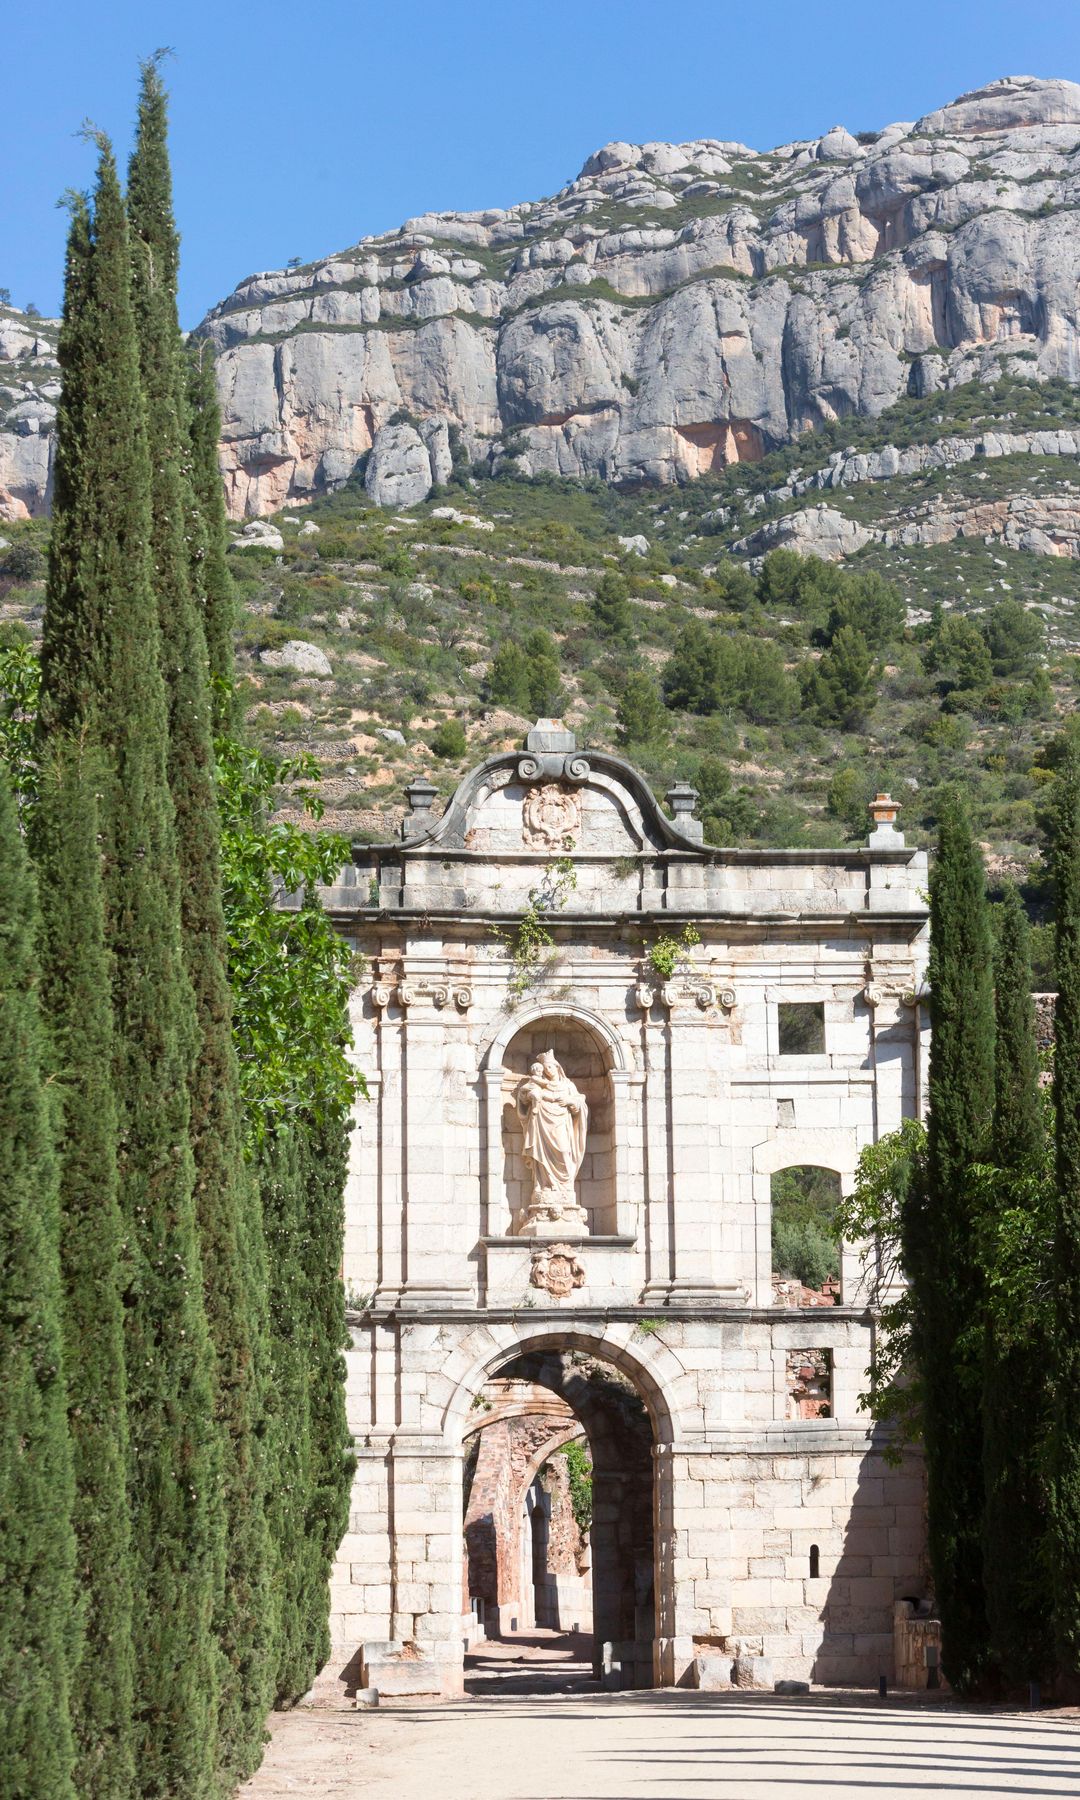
{"points": [[420, 794], [883, 810], [682, 799], [550, 737]]}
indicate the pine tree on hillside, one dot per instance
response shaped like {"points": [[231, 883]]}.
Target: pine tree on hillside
{"points": [[76, 997], [939, 1247], [641, 716], [102, 674], [1015, 1353], [234, 1263], [1064, 1445], [38, 1617]]}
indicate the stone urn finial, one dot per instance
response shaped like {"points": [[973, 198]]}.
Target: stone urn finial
{"points": [[682, 799], [884, 810], [420, 794]]}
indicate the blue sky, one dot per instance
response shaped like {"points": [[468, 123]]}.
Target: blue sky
{"points": [[296, 130]]}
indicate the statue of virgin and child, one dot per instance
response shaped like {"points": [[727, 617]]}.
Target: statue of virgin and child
{"points": [[554, 1116]]}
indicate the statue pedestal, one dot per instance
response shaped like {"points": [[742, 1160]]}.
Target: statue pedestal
{"points": [[570, 1219]]}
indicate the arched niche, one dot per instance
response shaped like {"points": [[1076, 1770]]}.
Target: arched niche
{"points": [[597, 1061], [803, 1202]]}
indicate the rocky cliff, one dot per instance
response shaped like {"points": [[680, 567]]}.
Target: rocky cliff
{"points": [[676, 308], [29, 390]]}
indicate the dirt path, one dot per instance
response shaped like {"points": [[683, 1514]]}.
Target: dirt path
{"points": [[668, 1746]]}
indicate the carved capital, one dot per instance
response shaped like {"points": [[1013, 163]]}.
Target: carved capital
{"points": [[644, 995], [380, 996], [463, 998]]}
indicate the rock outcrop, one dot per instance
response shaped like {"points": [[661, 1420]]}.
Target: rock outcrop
{"points": [[675, 308], [29, 390]]}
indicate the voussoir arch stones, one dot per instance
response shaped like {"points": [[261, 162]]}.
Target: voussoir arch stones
{"points": [[617, 1051], [655, 1370]]}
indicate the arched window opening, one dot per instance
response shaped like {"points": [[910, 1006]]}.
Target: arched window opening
{"points": [[815, 1562], [805, 1249]]}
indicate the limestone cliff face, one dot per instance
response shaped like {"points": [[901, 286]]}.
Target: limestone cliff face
{"points": [[29, 390], [675, 308]]}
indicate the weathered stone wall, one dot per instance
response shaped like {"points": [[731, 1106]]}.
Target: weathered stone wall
{"points": [[684, 1072]]}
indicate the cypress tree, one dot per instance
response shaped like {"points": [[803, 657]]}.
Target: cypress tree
{"points": [[212, 580], [38, 1620], [303, 1175], [939, 1243], [104, 608], [1064, 1440], [1015, 1352], [75, 986], [1018, 1114], [234, 1267]]}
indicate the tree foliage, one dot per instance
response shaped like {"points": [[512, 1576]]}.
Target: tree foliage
{"points": [[39, 1621]]}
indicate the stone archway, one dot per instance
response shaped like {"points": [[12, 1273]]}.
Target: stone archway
{"points": [[627, 1429]]}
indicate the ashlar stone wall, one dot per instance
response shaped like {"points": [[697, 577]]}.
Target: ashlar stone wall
{"points": [[693, 1108]]}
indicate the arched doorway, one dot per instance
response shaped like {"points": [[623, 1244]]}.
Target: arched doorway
{"points": [[559, 1526]]}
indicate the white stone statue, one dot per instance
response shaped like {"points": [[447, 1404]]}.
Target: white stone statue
{"points": [[555, 1117]]}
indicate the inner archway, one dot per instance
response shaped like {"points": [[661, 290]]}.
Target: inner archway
{"points": [[559, 1527]]}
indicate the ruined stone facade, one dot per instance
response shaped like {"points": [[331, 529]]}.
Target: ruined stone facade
{"points": [[756, 1523]]}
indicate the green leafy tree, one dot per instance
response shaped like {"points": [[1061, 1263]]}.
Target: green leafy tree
{"points": [[76, 997], [939, 1241], [544, 678], [508, 678], [20, 686], [1015, 639], [448, 741], [39, 1621], [690, 676], [842, 686], [226, 1199], [610, 609], [101, 678], [1063, 1452], [957, 654], [870, 604], [641, 717]]}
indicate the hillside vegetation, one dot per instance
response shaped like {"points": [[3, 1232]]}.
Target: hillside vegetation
{"points": [[785, 688]]}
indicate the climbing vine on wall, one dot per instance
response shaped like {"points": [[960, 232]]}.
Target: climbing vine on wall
{"points": [[530, 940], [579, 1470]]}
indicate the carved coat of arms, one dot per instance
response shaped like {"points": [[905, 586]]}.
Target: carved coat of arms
{"points": [[557, 1269], [551, 817]]}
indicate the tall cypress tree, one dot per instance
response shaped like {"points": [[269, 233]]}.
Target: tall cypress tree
{"points": [[1015, 1352], [102, 673], [234, 1264], [211, 576], [303, 1174], [38, 1620], [1018, 1113], [75, 987], [1064, 1441], [939, 1241]]}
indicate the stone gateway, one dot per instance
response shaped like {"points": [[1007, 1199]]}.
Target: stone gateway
{"points": [[558, 1231]]}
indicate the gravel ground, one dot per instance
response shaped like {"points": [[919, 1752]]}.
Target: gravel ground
{"points": [[669, 1746]]}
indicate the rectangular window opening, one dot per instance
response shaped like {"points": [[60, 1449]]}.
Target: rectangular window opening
{"points": [[801, 1027]]}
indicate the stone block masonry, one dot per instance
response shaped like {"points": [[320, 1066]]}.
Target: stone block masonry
{"points": [[745, 1517]]}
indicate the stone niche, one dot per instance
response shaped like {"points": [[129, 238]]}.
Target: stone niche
{"points": [[585, 1063]]}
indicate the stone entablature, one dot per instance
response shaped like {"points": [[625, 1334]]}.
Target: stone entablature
{"points": [[689, 1108]]}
